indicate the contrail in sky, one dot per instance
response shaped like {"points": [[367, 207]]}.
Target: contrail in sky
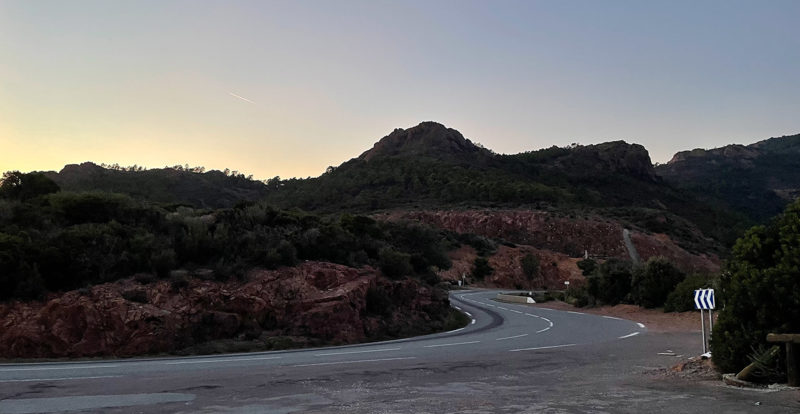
{"points": [[241, 97]]}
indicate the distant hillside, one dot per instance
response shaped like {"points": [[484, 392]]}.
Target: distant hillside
{"points": [[698, 198], [213, 189], [758, 179], [432, 166]]}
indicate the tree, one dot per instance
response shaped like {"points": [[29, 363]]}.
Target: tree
{"points": [[611, 282], [530, 266], [652, 282], [21, 186], [760, 290], [481, 268]]}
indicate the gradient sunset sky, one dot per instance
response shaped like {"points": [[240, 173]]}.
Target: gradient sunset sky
{"points": [[288, 88]]}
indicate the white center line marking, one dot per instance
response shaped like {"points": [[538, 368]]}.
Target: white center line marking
{"points": [[353, 362], [511, 337], [542, 347], [629, 335], [542, 330], [500, 307], [457, 307], [59, 368], [641, 325], [516, 311], [357, 352], [468, 314], [214, 361], [61, 379], [453, 344], [473, 322]]}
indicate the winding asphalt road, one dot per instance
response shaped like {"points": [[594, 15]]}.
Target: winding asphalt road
{"points": [[235, 383]]}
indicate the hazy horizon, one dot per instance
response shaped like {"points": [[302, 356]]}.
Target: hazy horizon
{"points": [[288, 89]]}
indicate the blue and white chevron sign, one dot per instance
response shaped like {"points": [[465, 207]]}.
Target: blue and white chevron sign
{"points": [[704, 299]]}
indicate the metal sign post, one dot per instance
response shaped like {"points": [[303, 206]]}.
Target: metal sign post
{"points": [[704, 300]]}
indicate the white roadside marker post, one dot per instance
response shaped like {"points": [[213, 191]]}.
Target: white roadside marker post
{"points": [[704, 300]]}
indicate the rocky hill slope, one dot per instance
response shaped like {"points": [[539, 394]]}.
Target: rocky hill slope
{"points": [[758, 179], [558, 242]]}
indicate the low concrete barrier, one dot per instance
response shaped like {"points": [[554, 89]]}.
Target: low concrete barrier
{"points": [[514, 298]]}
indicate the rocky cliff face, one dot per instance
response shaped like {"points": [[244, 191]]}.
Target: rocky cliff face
{"points": [[613, 157], [313, 303]]}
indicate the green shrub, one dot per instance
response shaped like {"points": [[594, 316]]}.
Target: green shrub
{"points": [[481, 268], [162, 262], [681, 299], [577, 296], [587, 266], [530, 266], [610, 283], [395, 264], [760, 290], [651, 283]]}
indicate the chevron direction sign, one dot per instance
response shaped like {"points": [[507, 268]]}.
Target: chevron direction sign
{"points": [[704, 299]]}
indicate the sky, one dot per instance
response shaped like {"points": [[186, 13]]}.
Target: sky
{"points": [[287, 88]]}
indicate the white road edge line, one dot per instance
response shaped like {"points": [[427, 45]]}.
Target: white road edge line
{"points": [[641, 325], [353, 362], [60, 379], [611, 317], [629, 335], [468, 314], [576, 313], [457, 307], [358, 352], [59, 368], [542, 347], [214, 361], [542, 330], [511, 337], [456, 330], [453, 344]]}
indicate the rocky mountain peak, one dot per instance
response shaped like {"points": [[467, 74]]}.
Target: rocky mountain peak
{"points": [[430, 139]]}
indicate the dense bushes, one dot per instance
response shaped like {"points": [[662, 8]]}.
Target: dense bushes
{"points": [[481, 268], [68, 240], [760, 289], [651, 283], [618, 281], [530, 266], [681, 299], [611, 282]]}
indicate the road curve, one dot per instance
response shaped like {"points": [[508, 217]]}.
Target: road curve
{"points": [[495, 328]]}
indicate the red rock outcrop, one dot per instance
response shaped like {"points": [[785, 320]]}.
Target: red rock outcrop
{"points": [[558, 241], [322, 303], [554, 268], [538, 229]]}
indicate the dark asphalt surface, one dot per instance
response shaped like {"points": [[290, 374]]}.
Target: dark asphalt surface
{"points": [[513, 358]]}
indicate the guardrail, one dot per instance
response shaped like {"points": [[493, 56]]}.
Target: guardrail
{"points": [[514, 298]]}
